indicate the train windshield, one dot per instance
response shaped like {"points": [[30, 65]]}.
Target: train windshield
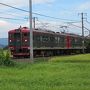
{"points": [[17, 39]]}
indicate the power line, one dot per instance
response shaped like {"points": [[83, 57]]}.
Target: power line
{"points": [[35, 13], [88, 22], [87, 28], [75, 25], [80, 27], [11, 18], [19, 16], [14, 7]]}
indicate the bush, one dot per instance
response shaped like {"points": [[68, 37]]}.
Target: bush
{"points": [[87, 44], [5, 58], [2, 57]]}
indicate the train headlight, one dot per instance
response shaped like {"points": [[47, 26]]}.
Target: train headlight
{"points": [[25, 40], [10, 40]]}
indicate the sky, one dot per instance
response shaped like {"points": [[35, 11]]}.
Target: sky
{"points": [[67, 13]]}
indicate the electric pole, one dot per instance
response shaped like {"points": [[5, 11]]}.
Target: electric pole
{"points": [[83, 40], [34, 22], [82, 32], [31, 30]]}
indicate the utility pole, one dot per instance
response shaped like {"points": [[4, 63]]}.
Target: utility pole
{"points": [[83, 41], [31, 30], [34, 22], [83, 33]]}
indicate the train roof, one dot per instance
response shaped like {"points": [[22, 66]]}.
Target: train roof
{"points": [[21, 29], [26, 29], [40, 30]]}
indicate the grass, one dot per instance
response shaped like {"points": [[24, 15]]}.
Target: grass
{"points": [[72, 58], [60, 73]]}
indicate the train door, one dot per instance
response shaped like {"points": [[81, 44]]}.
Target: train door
{"points": [[68, 42]]}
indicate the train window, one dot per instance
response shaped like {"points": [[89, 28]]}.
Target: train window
{"points": [[17, 35], [75, 40], [11, 35], [45, 38], [59, 39], [25, 34], [52, 38], [56, 38], [37, 38]]}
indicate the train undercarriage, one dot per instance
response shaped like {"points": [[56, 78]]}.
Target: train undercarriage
{"points": [[43, 52]]}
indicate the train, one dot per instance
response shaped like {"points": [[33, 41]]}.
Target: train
{"points": [[45, 42]]}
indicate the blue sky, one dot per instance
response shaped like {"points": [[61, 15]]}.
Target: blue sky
{"points": [[63, 9]]}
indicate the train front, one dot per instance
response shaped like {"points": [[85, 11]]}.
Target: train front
{"points": [[18, 41]]}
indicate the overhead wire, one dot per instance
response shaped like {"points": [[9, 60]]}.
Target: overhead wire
{"points": [[87, 29], [35, 13], [11, 14], [73, 21], [74, 25], [88, 22], [10, 18], [81, 27]]}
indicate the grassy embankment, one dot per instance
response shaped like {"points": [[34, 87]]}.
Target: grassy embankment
{"points": [[59, 73]]}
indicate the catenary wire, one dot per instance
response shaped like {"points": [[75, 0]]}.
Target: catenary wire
{"points": [[34, 12]]}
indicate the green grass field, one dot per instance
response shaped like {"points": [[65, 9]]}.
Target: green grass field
{"points": [[59, 73]]}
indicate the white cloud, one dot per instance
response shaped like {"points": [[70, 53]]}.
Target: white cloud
{"points": [[5, 26], [84, 6], [3, 23]]}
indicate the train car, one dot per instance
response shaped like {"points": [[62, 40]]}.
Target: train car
{"points": [[45, 42]]}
